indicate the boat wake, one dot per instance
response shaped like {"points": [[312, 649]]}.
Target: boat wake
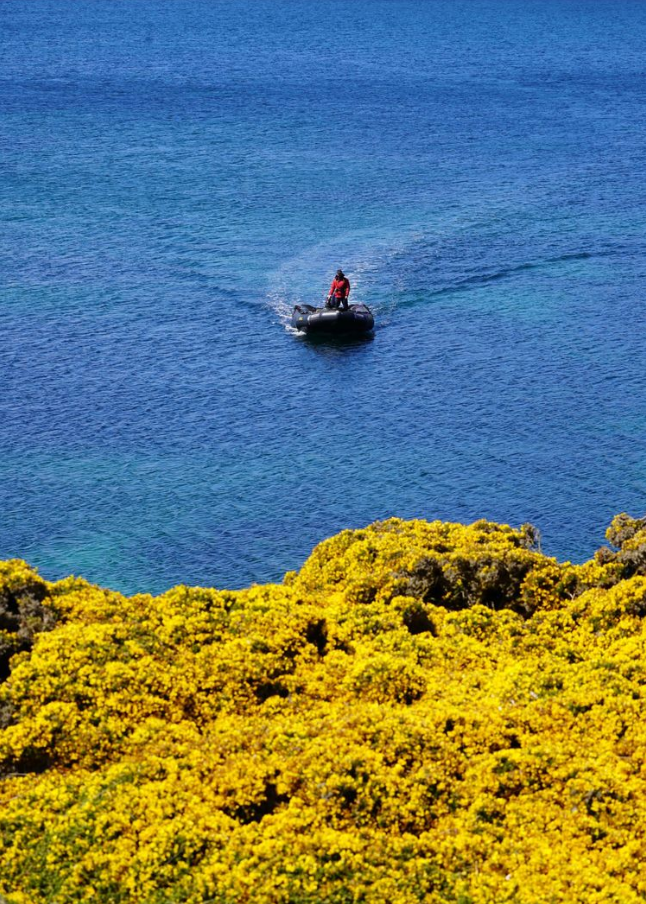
{"points": [[305, 278], [402, 269]]}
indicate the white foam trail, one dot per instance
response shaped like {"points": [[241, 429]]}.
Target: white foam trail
{"points": [[305, 278]]}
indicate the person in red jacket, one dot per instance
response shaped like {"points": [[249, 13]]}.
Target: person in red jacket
{"points": [[339, 292]]}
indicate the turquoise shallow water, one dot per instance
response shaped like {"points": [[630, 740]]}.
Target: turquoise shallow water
{"points": [[176, 176]]}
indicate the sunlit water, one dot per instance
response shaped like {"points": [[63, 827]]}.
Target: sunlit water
{"points": [[174, 177]]}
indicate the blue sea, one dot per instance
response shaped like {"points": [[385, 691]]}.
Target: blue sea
{"points": [[175, 176]]}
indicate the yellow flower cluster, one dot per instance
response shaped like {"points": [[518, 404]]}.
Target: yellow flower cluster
{"points": [[426, 712]]}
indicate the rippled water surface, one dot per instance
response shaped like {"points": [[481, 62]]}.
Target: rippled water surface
{"points": [[175, 176]]}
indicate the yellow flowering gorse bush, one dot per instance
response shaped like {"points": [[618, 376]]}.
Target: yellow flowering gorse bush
{"points": [[426, 712]]}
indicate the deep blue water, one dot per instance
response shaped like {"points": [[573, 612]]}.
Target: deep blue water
{"points": [[175, 176]]}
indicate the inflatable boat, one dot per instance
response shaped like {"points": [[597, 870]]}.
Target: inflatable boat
{"points": [[354, 321]]}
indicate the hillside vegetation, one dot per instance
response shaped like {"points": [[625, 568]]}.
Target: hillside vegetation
{"points": [[426, 712]]}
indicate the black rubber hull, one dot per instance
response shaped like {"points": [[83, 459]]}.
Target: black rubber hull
{"points": [[356, 321]]}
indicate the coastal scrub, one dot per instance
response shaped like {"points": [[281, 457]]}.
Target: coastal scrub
{"points": [[426, 712]]}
